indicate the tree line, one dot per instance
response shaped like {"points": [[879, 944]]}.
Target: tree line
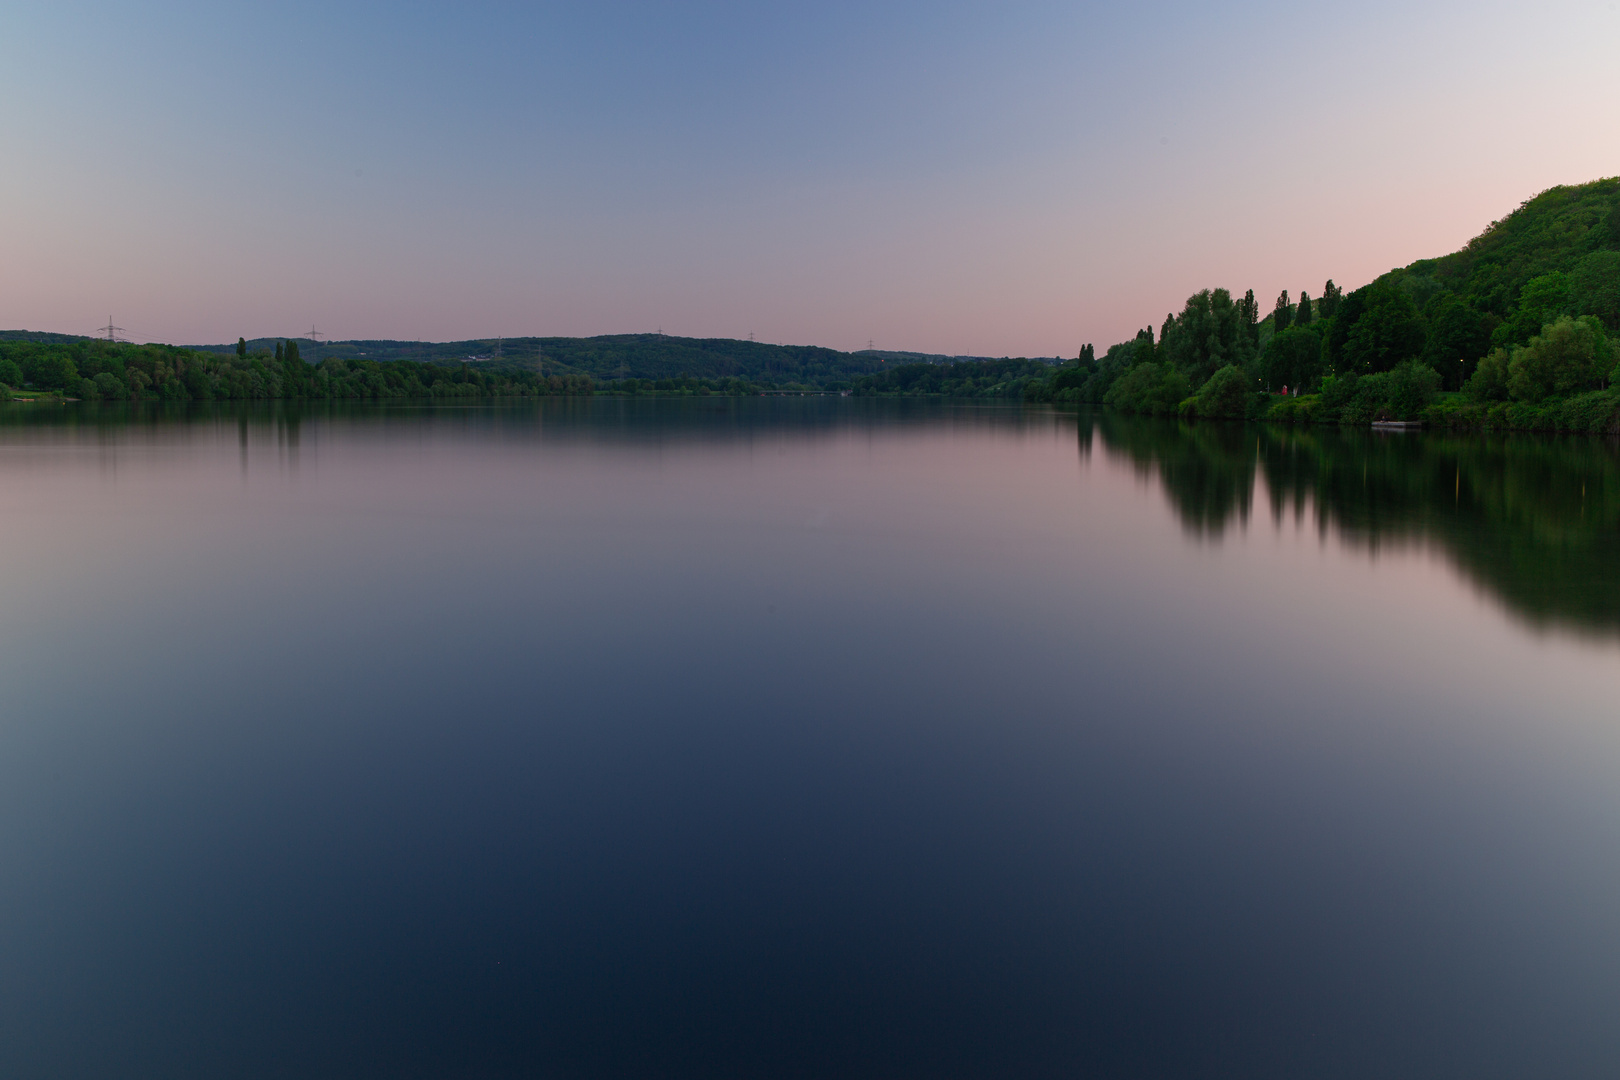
{"points": [[1515, 330], [94, 370]]}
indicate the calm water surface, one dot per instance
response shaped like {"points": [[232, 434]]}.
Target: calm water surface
{"points": [[803, 738]]}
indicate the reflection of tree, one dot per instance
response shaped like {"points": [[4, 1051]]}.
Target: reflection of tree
{"points": [[1534, 520], [1207, 469]]}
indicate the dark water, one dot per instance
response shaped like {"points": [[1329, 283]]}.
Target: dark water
{"points": [[803, 738]]}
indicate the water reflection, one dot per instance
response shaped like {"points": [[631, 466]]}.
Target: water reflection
{"points": [[790, 738], [1533, 520]]}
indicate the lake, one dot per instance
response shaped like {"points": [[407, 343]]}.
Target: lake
{"points": [[803, 737]]}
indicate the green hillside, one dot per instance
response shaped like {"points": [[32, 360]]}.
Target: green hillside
{"points": [[63, 365], [1518, 321], [40, 337], [1574, 231]]}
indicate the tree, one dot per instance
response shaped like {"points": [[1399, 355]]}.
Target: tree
{"points": [[1249, 310], [1330, 299], [1149, 388], [1302, 317], [280, 354], [109, 386], [1206, 336], [1594, 286], [1387, 330], [1226, 393], [1280, 313], [52, 370], [1458, 336], [1541, 301], [1489, 382], [1567, 357], [1413, 386], [1292, 358], [241, 348]]}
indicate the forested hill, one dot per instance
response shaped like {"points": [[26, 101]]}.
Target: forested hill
{"points": [[59, 365], [614, 357], [40, 337], [1519, 318], [1571, 231]]}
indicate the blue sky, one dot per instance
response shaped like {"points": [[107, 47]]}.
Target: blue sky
{"points": [[961, 177]]}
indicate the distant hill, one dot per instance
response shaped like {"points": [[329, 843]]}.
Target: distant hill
{"points": [[41, 337], [625, 356]]}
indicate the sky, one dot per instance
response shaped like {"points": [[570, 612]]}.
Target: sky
{"points": [[967, 178]]}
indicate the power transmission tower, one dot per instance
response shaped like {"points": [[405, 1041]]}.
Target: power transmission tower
{"points": [[112, 331]]}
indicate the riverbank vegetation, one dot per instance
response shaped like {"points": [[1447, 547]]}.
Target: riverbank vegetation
{"points": [[975, 378], [1515, 331], [638, 365], [94, 370]]}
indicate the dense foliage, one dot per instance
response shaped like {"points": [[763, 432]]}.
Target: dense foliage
{"points": [[648, 359], [1516, 327], [100, 370], [967, 378]]}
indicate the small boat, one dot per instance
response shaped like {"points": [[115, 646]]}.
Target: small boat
{"points": [[1397, 425]]}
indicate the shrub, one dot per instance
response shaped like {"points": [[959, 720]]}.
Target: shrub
{"points": [[1490, 379], [1149, 388], [1568, 356], [1338, 391], [1371, 400], [109, 386], [1304, 409], [1413, 387], [1226, 394]]}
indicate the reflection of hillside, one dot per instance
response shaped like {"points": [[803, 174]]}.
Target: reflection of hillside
{"points": [[603, 419], [1534, 520]]}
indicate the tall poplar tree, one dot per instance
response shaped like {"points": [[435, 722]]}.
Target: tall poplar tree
{"points": [[1280, 314], [1302, 317], [1330, 299]]}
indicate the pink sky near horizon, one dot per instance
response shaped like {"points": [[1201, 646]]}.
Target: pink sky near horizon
{"points": [[964, 180]]}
